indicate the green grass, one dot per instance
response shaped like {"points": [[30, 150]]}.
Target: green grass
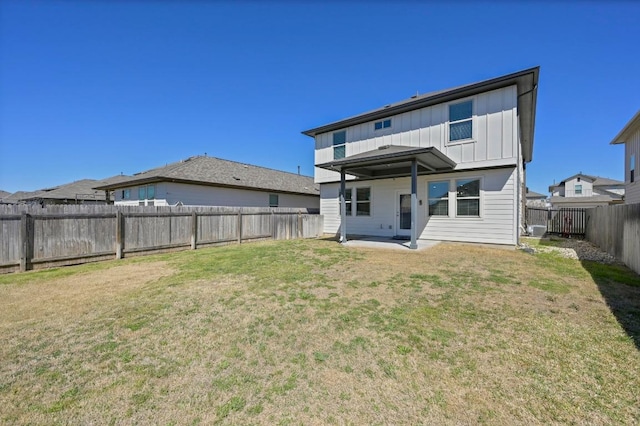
{"points": [[297, 332]]}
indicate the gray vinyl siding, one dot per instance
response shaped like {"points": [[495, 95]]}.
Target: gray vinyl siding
{"points": [[494, 140], [497, 223], [169, 193], [632, 189]]}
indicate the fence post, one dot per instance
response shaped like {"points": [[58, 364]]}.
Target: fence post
{"points": [[26, 242], [300, 233], [194, 230], [273, 225], [239, 228], [119, 234]]}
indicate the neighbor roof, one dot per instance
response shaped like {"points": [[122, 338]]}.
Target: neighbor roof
{"points": [[625, 133], [596, 181], [79, 190], [533, 194], [203, 170], [526, 81]]}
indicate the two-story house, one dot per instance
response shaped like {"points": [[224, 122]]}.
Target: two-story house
{"points": [[586, 191], [446, 165], [630, 137]]}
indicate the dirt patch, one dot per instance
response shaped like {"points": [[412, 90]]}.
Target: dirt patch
{"points": [[74, 295]]}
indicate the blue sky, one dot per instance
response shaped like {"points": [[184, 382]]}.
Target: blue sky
{"points": [[91, 89]]}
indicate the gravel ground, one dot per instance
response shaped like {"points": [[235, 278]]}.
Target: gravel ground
{"points": [[573, 249]]}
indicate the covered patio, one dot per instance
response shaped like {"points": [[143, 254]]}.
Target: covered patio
{"points": [[389, 161]]}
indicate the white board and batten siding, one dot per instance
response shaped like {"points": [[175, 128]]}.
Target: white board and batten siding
{"points": [[494, 142], [497, 223], [632, 189], [171, 193]]}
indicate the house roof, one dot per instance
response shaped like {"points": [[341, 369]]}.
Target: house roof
{"points": [[526, 81], [212, 171], [629, 128], [390, 160], [596, 181], [4, 193], [79, 190], [535, 195]]}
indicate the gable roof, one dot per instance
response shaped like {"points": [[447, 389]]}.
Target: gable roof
{"points": [[77, 190], [629, 128], [533, 194], [4, 193], [596, 181], [212, 171], [526, 81]]}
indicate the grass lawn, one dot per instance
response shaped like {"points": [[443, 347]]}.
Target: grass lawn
{"points": [[310, 332]]}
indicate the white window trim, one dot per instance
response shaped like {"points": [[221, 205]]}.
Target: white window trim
{"points": [[333, 147], [480, 198], [382, 124], [354, 201], [449, 196], [474, 122]]}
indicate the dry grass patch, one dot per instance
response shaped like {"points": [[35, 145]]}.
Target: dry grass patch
{"points": [[311, 332]]}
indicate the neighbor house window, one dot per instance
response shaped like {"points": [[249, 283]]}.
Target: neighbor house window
{"points": [[468, 197], [578, 189], [363, 201], [384, 124], [348, 192], [460, 121], [147, 192], [126, 194], [339, 144], [632, 168], [273, 200], [438, 196]]}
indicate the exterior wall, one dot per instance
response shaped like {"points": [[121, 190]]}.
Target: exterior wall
{"points": [[570, 188], [497, 223], [169, 193], [494, 142], [632, 189]]}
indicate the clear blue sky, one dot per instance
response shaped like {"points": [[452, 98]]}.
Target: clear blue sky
{"points": [[90, 89]]}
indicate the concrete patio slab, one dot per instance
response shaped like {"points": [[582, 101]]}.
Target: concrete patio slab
{"points": [[389, 243]]}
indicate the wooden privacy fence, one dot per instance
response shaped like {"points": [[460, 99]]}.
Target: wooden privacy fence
{"points": [[43, 237], [564, 221], [616, 230]]}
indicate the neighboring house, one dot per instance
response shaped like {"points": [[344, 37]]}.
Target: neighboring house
{"points": [[3, 196], [586, 191], [447, 165], [630, 137], [535, 199], [78, 192], [210, 181]]}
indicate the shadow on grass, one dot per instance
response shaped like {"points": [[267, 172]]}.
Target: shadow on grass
{"points": [[619, 285], [620, 288]]}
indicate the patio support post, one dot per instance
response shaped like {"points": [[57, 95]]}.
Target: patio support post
{"points": [[343, 209], [414, 204]]}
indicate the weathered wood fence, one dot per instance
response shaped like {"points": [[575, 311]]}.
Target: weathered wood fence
{"points": [[564, 221], [616, 230], [32, 237]]}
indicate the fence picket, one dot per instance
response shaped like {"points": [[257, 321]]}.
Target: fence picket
{"points": [[36, 237]]}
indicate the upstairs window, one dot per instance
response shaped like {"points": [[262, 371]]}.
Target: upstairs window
{"points": [[273, 200], [578, 189], [339, 144], [461, 121], [438, 197], [126, 194], [632, 168], [468, 197], [384, 124]]}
